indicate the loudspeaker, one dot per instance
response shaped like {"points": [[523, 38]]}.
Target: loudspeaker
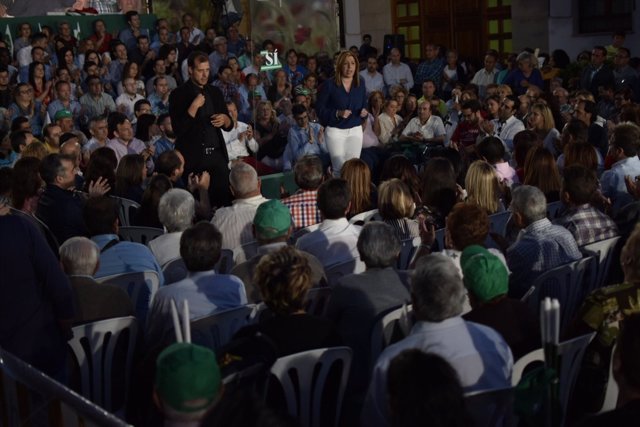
{"points": [[391, 41]]}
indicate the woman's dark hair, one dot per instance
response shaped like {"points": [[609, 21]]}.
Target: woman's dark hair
{"points": [[32, 68], [424, 386], [439, 191], [127, 68], [399, 166], [61, 53], [145, 121], [129, 173], [148, 214], [560, 58], [102, 164]]}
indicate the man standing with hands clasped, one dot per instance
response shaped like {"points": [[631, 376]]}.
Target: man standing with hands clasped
{"points": [[198, 113]]}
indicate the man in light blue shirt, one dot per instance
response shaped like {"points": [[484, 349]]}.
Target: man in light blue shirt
{"points": [[205, 290], [305, 139], [478, 354], [624, 147]]}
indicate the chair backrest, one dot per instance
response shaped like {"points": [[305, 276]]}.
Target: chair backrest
{"points": [[603, 252], [408, 249], [306, 230], [317, 301], [497, 225], [141, 287], [336, 271], [95, 346], [174, 271], [565, 283], [553, 210], [139, 234], [364, 217], [245, 252], [491, 407], [270, 184], [29, 397], [217, 329], [440, 238], [126, 209], [389, 327], [303, 377], [225, 263], [570, 353]]}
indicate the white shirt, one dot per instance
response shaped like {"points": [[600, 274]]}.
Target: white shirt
{"points": [[166, 247], [431, 129], [234, 222], [394, 73], [235, 147], [387, 127], [24, 56], [128, 101], [483, 78], [335, 241], [372, 82], [507, 131]]}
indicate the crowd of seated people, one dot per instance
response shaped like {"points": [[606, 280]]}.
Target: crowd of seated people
{"points": [[447, 145]]}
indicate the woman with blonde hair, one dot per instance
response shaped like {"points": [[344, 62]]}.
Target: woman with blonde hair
{"points": [[541, 170], [341, 108], [389, 121], [284, 279], [483, 187], [397, 208], [271, 138], [358, 177], [540, 120]]}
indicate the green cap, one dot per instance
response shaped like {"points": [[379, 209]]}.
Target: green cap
{"points": [[273, 219], [187, 377], [63, 114], [484, 273]]}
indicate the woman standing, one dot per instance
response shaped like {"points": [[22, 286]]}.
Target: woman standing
{"points": [[341, 109]]}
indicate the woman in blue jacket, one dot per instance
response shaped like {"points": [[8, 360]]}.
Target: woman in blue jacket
{"points": [[341, 108]]}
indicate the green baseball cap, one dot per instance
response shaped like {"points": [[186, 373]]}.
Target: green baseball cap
{"points": [[63, 114], [187, 377], [484, 273], [272, 219]]}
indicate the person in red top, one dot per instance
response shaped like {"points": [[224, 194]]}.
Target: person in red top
{"points": [[101, 37], [466, 133]]}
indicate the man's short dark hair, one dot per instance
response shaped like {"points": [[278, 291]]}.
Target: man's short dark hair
{"points": [[90, 79], [157, 79], [578, 130], [16, 124], [334, 197], [141, 37], [66, 137], [167, 162], [25, 180], [200, 246], [581, 184], [139, 103], [130, 14], [308, 172], [198, 56], [37, 37], [100, 214], [18, 138], [472, 104], [516, 101], [626, 136], [298, 109], [51, 166], [116, 118], [492, 149]]}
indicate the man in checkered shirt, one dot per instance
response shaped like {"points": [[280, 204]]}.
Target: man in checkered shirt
{"points": [[585, 222], [303, 206]]}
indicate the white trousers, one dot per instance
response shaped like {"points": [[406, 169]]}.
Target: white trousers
{"points": [[343, 144]]}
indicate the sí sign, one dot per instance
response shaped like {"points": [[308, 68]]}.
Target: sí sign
{"points": [[270, 60]]}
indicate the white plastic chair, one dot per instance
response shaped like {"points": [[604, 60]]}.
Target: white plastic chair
{"points": [[612, 391], [216, 330], [94, 346], [408, 250], [126, 208], [141, 287], [174, 271], [565, 283], [603, 252], [491, 408], [30, 397], [139, 234], [570, 353], [393, 324], [303, 377], [336, 271], [364, 217]]}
